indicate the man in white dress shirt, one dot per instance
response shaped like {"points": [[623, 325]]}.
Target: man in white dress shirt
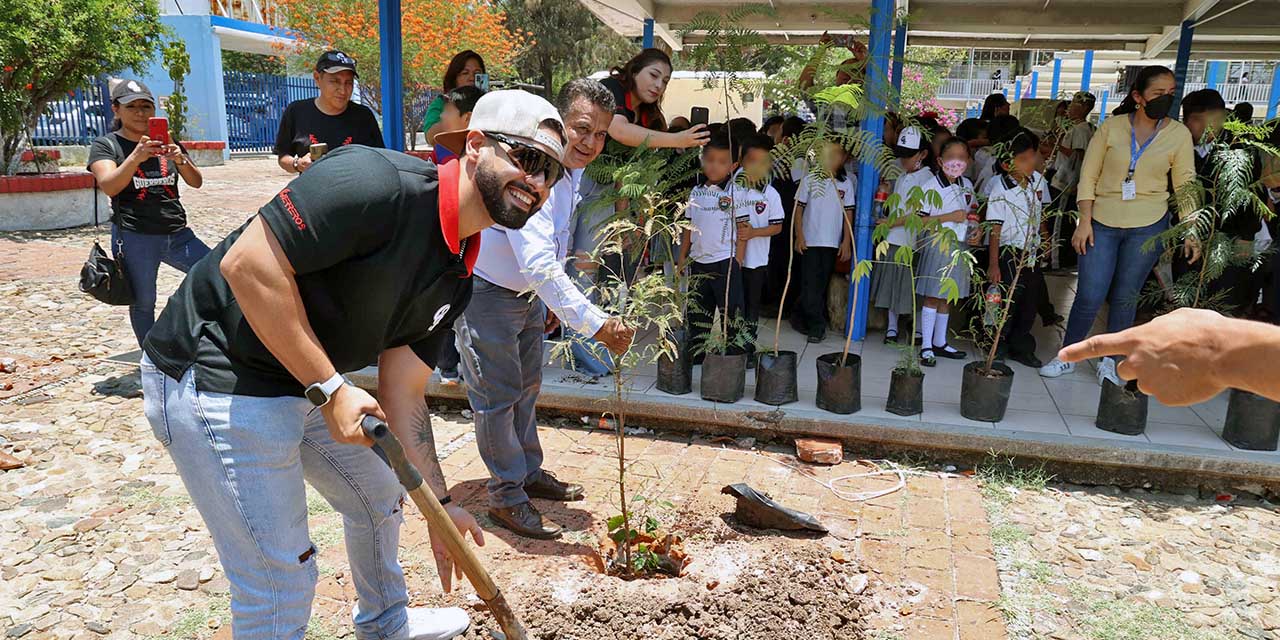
{"points": [[501, 333]]}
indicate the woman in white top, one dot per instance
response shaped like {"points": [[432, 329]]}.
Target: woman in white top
{"points": [[940, 255]]}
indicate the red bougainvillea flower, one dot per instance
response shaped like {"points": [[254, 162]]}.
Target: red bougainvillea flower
{"points": [[8, 69], [29, 86]]}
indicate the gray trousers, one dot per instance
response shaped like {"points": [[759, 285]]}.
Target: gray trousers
{"points": [[500, 342]]}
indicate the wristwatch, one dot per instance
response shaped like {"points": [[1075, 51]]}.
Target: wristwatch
{"points": [[295, 165], [321, 392]]}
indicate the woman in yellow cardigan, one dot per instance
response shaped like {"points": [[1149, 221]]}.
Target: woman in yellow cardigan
{"points": [[1124, 202]]}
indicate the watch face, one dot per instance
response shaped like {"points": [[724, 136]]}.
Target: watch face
{"points": [[316, 395]]}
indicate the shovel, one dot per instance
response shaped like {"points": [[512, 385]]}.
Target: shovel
{"points": [[440, 523]]}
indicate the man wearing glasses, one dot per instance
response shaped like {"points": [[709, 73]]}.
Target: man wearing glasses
{"points": [[366, 256], [500, 335]]}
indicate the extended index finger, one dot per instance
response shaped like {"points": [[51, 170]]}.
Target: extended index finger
{"points": [[1109, 344]]}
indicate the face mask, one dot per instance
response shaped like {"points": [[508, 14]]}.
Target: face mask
{"points": [[953, 168], [1159, 107]]}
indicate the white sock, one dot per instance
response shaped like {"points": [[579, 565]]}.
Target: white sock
{"points": [[892, 327], [929, 316], [940, 332]]}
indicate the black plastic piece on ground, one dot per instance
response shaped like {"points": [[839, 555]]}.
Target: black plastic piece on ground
{"points": [[758, 510], [776, 382], [1122, 409], [1253, 422], [985, 398], [906, 393], [839, 387], [724, 377]]}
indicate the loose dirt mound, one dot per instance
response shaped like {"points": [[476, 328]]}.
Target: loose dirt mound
{"points": [[738, 593]]}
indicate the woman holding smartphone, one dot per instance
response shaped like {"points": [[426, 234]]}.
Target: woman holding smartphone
{"points": [[148, 221], [462, 71]]}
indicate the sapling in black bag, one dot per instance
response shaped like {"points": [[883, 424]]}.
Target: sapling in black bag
{"points": [[101, 276]]}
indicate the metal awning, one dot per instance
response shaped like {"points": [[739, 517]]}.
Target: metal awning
{"points": [[1224, 29]]}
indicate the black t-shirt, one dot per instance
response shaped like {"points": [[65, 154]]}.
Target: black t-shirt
{"points": [[303, 124], [149, 203], [372, 237], [621, 99]]}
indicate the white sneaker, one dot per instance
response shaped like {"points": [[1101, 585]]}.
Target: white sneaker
{"points": [[1107, 371], [426, 623], [1056, 368]]}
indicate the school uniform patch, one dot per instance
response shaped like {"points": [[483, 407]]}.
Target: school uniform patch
{"points": [[761, 206], [841, 192], [725, 203]]}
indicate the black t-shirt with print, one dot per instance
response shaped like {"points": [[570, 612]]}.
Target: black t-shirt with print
{"points": [[372, 237], [149, 202], [304, 124]]}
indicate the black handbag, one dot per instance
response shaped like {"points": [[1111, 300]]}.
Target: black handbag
{"points": [[101, 276]]}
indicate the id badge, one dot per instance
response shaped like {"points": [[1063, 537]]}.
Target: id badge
{"points": [[1129, 190]]}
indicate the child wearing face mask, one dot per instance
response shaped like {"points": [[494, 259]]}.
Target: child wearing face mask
{"points": [[936, 259], [891, 285]]}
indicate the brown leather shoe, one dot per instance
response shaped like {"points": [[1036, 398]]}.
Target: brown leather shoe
{"points": [[548, 487], [524, 519]]}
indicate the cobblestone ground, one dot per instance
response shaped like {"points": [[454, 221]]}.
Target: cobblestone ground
{"points": [[100, 540]]}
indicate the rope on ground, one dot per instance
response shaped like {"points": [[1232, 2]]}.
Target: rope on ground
{"points": [[855, 496]]}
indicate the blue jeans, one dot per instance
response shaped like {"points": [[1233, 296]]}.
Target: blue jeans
{"points": [[243, 460], [142, 254], [500, 343], [1112, 270]]}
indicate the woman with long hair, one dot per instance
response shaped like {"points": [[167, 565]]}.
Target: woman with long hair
{"points": [[1123, 198], [996, 104], [638, 87], [461, 72], [148, 221]]}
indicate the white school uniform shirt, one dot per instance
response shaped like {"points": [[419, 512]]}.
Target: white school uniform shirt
{"points": [[763, 209], [714, 236], [824, 202], [957, 196], [533, 257], [1017, 208], [899, 236]]}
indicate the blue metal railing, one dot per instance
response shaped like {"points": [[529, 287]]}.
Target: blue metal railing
{"points": [[255, 102], [76, 119]]}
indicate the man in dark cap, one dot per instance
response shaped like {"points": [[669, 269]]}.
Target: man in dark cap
{"points": [[330, 119]]}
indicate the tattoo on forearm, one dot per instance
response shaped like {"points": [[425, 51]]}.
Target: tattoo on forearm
{"points": [[424, 442]]}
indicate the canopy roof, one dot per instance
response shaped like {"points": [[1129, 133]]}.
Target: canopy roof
{"points": [[1226, 29]]}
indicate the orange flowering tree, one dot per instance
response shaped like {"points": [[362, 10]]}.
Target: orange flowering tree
{"points": [[432, 32]]}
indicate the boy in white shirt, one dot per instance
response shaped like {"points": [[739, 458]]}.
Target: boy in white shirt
{"points": [[1014, 216], [759, 216], [824, 213], [713, 242]]}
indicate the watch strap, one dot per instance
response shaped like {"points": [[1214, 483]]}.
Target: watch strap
{"points": [[330, 386]]}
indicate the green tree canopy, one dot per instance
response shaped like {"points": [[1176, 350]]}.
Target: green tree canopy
{"points": [[568, 42]]}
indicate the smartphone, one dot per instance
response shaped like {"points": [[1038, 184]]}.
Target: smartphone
{"points": [[158, 129], [482, 81], [699, 115]]}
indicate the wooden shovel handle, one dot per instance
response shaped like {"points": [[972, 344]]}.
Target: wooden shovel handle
{"points": [[440, 522]]}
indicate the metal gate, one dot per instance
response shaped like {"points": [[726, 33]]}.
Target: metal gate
{"points": [[76, 119], [255, 102]]}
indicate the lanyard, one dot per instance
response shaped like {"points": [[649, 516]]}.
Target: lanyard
{"points": [[1135, 152]]}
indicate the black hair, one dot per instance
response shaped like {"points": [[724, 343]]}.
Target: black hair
{"points": [[1020, 141], [741, 129], [1243, 112], [648, 115], [770, 121], [1140, 84], [456, 65], [971, 129], [715, 128], [993, 102], [678, 124], [721, 141], [1202, 101], [1002, 128], [951, 142], [792, 126], [757, 141], [588, 89], [464, 98]]}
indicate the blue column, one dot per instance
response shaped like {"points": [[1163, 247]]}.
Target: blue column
{"points": [[1035, 80], [868, 177], [1211, 74], [1086, 74], [1274, 96], [899, 55], [1057, 75], [1102, 115], [648, 33], [1004, 91], [1017, 89], [392, 75], [1180, 66]]}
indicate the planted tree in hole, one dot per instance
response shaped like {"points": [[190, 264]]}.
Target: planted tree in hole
{"points": [[648, 181]]}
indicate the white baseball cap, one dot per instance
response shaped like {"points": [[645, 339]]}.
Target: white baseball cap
{"points": [[512, 112], [909, 138]]}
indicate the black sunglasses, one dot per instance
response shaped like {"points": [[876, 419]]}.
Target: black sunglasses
{"points": [[530, 159]]}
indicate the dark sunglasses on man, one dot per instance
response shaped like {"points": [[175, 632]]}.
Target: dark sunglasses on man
{"points": [[530, 159]]}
